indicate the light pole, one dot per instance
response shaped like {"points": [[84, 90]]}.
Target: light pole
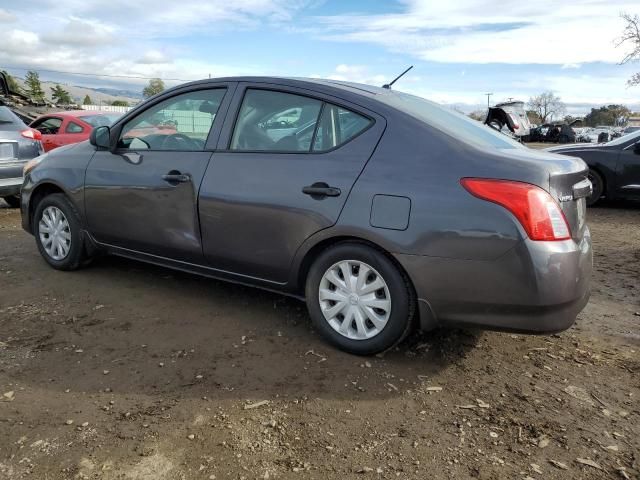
{"points": [[488, 97]]}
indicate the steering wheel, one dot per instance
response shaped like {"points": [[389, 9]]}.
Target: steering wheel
{"points": [[178, 141]]}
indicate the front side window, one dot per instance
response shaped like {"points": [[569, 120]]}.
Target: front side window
{"points": [[180, 123], [48, 126], [73, 127]]}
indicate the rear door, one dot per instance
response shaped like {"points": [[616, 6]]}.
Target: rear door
{"points": [[143, 195], [628, 168], [265, 192]]}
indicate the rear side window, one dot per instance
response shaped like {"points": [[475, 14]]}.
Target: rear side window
{"points": [[337, 126], [275, 121], [271, 121], [73, 127]]}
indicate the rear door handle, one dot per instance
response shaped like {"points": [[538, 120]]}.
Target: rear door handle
{"points": [[321, 189], [176, 177]]}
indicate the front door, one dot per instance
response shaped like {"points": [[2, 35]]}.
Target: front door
{"points": [[49, 127], [143, 194], [282, 173]]}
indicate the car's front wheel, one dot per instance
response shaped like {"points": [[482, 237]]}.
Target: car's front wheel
{"points": [[12, 200], [59, 237], [358, 299]]}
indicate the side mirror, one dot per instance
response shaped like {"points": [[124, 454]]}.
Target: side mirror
{"points": [[100, 137]]}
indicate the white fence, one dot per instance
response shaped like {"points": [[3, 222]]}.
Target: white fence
{"points": [[106, 108]]}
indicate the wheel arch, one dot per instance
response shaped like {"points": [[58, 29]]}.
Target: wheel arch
{"points": [[313, 252], [39, 192]]}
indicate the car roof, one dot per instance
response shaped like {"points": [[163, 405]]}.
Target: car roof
{"points": [[352, 87], [78, 113]]}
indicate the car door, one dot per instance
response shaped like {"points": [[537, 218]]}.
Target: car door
{"points": [[265, 193], [628, 169], [142, 195], [49, 127]]}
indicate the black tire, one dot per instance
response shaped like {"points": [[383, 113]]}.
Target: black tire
{"points": [[401, 293], [598, 187], [12, 200], [76, 255]]}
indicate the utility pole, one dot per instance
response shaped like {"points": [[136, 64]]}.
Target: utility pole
{"points": [[488, 96]]}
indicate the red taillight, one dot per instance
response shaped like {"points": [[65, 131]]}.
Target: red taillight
{"points": [[31, 133], [535, 209]]}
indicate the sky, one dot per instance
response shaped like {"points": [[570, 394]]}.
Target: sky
{"points": [[460, 49]]}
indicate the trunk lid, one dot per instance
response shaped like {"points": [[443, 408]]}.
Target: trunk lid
{"points": [[571, 189]]}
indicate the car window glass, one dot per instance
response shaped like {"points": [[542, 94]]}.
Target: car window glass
{"points": [[178, 123], [275, 121], [446, 120], [337, 126], [101, 120], [48, 126], [73, 127]]}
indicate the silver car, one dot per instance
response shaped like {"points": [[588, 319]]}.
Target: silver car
{"points": [[18, 144]]}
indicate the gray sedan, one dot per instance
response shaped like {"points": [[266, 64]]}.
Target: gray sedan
{"points": [[382, 210], [18, 144]]}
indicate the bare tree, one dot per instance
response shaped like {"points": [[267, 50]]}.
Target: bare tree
{"points": [[546, 106], [631, 35]]}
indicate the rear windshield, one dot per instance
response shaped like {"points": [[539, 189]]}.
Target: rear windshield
{"points": [[629, 137], [7, 117], [100, 120], [449, 121]]}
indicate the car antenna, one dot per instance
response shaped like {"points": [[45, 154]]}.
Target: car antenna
{"points": [[388, 85]]}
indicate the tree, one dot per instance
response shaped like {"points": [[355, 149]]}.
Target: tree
{"points": [[546, 106], [631, 35], [155, 86], [60, 95], [120, 103], [87, 100], [534, 118], [33, 86], [11, 82], [607, 115]]}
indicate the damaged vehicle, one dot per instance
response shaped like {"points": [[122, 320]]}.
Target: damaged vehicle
{"points": [[509, 117], [384, 211]]}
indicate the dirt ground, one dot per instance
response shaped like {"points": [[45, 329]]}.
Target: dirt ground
{"points": [[129, 371]]}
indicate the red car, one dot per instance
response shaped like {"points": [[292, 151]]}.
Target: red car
{"points": [[72, 126]]}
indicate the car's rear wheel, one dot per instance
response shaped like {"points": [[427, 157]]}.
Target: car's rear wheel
{"points": [[12, 200], [59, 236], [598, 187], [358, 299]]}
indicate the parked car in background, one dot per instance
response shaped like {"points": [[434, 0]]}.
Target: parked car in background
{"points": [[18, 144], [511, 116], [386, 212], [614, 167], [63, 128], [630, 129]]}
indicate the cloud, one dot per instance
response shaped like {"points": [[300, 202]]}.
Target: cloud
{"points": [[6, 16], [477, 31], [152, 57], [79, 33]]}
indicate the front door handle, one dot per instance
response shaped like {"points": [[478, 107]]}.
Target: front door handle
{"points": [[175, 177], [321, 189]]}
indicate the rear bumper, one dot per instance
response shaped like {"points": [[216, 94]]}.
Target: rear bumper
{"points": [[537, 287], [10, 186]]}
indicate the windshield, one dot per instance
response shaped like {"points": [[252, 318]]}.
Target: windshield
{"points": [[7, 116], [100, 120], [449, 121], [629, 137]]}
